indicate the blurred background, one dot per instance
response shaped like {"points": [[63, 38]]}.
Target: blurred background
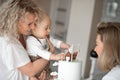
{"points": [[74, 21]]}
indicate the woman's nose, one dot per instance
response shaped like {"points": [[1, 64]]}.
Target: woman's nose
{"points": [[33, 26], [94, 49]]}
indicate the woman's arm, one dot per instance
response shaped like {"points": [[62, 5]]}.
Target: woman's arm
{"points": [[32, 68]]}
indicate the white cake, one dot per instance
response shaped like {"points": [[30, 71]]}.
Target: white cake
{"points": [[69, 70]]}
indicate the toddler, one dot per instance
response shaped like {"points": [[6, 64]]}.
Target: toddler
{"points": [[41, 45]]}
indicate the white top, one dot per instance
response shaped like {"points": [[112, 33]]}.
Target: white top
{"points": [[114, 74], [40, 48], [12, 56]]}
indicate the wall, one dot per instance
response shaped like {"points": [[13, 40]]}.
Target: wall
{"points": [[98, 9], [44, 4], [111, 13], [80, 26]]}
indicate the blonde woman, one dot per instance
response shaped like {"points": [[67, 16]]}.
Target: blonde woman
{"points": [[108, 49], [17, 18]]}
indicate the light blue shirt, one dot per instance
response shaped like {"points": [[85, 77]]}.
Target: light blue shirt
{"points": [[114, 74]]}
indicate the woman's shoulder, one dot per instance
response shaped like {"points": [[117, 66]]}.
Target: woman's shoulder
{"points": [[113, 74], [31, 39], [6, 40], [115, 70]]}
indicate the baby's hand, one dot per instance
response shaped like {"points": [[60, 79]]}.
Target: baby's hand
{"points": [[60, 56], [51, 47], [64, 45]]}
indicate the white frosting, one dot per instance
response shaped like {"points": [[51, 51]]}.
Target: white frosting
{"points": [[69, 70], [55, 64], [53, 73]]}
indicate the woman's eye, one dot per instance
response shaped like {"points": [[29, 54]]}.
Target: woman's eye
{"points": [[34, 24], [29, 24], [46, 28]]}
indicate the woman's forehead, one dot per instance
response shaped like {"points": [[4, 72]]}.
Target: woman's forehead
{"points": [[28, 17]]}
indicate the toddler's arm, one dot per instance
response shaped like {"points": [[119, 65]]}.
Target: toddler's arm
{"points": [[64, 45], [60, 56], [59, 44]]}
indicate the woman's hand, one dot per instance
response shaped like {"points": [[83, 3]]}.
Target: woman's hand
{"points": [[33, 78], [43, 75]]}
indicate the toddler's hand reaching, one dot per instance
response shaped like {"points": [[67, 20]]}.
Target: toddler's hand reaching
{"points": [[60, 56]]}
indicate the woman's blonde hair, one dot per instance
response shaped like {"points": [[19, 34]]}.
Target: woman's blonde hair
{"points": [[110, 36], [11, 12]]}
